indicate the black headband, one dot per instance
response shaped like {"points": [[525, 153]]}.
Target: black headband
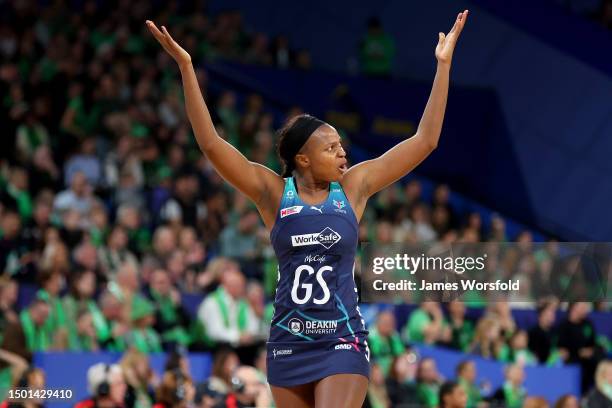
{"points": [[297, 136]]}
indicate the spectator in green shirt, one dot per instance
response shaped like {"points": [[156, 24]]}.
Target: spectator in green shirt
{"points": [[51, 283], [171, 319], [84, 336], [32, 325], [377, 50], [75, 304], [142, 336], [427, 325], [428, 383], [466, 378], [462, 329], [111, 328], [519, 353], [384, 340], [512, 393]]}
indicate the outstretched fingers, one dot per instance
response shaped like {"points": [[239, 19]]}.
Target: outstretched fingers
{"points": [[167, 34], [459, 22], [159, 36], [458, 26]]}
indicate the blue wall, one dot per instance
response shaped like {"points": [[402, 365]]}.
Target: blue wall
{"points": [[554, 95]]}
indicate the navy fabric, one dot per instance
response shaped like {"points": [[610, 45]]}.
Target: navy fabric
{"points": [[317, 329]]}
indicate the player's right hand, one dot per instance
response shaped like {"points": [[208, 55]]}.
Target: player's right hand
{"points": [[163, 37]]}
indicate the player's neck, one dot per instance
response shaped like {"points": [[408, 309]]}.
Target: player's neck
{"points": [[306, 185]]}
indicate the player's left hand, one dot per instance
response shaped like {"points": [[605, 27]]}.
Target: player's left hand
{"points": [[446, 43]]}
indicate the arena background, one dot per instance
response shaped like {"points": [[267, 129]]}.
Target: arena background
{"points": [[110, 214]]}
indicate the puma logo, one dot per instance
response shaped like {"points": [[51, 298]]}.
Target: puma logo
{"points": [[312, 207]]}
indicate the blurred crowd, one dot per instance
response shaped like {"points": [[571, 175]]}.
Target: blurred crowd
{"points": [[110, 218], [401, 377]]}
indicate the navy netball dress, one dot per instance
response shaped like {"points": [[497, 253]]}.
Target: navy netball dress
{"points": [[317, 329]]}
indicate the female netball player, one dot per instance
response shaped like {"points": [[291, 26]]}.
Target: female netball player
{"points": [[317, 349]]}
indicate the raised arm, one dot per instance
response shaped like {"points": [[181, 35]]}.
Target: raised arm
{"points": [[254, 180], [366, 178]]}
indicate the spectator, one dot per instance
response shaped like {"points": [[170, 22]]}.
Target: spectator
{"points": [[32, 379], [428, 383], [12, 245], [184, 207], [224, 365], [466, 378], [600, 395], [171, 319], [543, 336], [377, 50], [401, 381], [240, 241], [500, 311], [512, 393], [116, 253], [140, 378], [31, 134], [497, 232], [577, 341], [52, 283], [452, 395], [228, 115], [142, 336], [84, 162], [283, 55], [164, 244], [112, 328], [16, 194], [226, 314], [139, 238], [248, 390], [427, 325], [462, 329], [71, 231], [123, 160], [30, 331], [78, 197], [178, 359], [106, 386], [519, 353], [43, 171], [419, 226], [34, 231], [257, 302], [83, 336], [206, 397], [488, 342], [175, 391], [385, 342]]}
